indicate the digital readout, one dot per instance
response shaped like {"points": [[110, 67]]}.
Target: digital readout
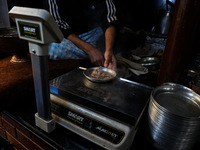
{"points": [[29, 30]]}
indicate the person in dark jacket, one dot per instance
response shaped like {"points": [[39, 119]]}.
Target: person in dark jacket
{"points": [[83, 23]]}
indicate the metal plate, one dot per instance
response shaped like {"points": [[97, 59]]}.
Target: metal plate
{"points": [[87, 73], [152, 63], [149, 60], [177, 99], [173, 117]]}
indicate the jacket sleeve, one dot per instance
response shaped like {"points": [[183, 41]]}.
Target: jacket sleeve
{"points": [[108, 12], [57, 13]]}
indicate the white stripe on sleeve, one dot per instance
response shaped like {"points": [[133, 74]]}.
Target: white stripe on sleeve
{"points": [[53, 9], [111, 16]]}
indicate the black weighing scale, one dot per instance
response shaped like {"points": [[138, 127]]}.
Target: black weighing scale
{"points": [[107, 114]]}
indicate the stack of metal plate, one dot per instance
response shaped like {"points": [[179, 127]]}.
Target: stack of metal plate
{"points": [[174, 117]]}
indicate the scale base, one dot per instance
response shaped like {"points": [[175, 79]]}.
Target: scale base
{"points": [[105, 131], [45, 125]]}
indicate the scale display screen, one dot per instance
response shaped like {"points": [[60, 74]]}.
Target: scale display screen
{"points": [[30, 30]]}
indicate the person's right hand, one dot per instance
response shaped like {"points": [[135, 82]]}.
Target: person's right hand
{"points": [[96, 57], [110, 60]]}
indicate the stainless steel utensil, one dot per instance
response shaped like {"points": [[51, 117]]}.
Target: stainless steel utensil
{"points": [[88, 71], [174, 117], [152, 63]]}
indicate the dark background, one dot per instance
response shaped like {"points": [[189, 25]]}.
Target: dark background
{"points": [[134, 14]]}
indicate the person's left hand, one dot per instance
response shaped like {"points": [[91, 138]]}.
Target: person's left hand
{"points": [[110, 60]]}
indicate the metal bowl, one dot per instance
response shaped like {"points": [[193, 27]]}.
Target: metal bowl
{"points": [[88, 71], [152, 63]]}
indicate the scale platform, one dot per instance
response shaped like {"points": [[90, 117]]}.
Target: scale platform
{"points": [[104, 113]]}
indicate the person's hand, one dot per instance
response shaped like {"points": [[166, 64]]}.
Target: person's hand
{"points": [[96, 57], [110, 60]]}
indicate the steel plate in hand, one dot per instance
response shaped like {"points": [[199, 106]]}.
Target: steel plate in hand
{"points": [[88, 74]]}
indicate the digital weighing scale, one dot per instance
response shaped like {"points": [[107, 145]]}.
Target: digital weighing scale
{"points": [[107, 114]]}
